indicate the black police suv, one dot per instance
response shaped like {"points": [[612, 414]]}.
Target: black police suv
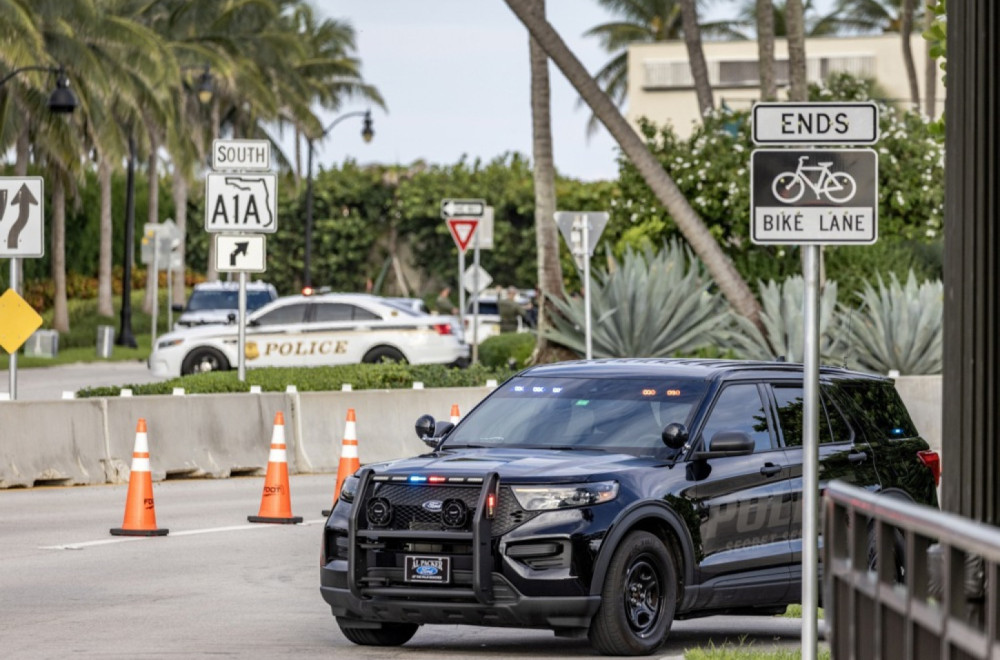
{"points": [[609, 498]]}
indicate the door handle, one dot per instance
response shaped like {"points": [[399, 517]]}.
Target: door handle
{"points": [[857, 457], [769, 470]]}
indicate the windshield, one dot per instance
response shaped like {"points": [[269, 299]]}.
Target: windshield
{"points": [[201, 300], [622, 415]]}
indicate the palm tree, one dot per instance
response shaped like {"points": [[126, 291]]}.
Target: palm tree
{"points": [[881, 16], [748, 19], [729, 281], [696, 56], [546, 235], [765, 50], [643, 21], [795, 17]]}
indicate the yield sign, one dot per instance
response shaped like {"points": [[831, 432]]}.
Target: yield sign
{"points": [[462, 230]]}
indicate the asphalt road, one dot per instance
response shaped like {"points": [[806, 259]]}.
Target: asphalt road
{"points": [[46, 383], [218, 586]]}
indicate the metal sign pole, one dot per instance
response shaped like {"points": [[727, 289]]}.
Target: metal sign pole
{"points": [[242, 331], [586, 285], [156, 289], [461, 288], [12, 364], [475, 302], [810, 446], [170, 296]]}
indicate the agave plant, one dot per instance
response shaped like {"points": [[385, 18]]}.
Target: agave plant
{"points": [[782, 317], [898, 327], [649, 305]]}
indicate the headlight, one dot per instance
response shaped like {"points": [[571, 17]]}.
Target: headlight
{"points": [[167, 343], [349, 489], [544, 498]]}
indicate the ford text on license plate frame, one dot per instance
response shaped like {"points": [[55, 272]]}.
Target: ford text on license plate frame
{"points": [[427, 569]]}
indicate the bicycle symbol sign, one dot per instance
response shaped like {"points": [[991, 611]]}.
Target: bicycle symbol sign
{"points": [[838, 187], [819, 196]]}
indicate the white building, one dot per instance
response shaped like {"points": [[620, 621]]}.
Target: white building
{"points": [[661, 89]]}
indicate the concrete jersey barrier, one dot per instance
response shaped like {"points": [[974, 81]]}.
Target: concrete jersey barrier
{"points": [[89, 441]]}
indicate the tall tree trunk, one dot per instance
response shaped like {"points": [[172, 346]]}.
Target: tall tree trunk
{"points": [[930, 65], [211, 274], [546, 233], [797, 90], [696, 56], [905, 32], [729, 281], [153, 216], [105, 305], [60, 308], [180, 195], [765, 50], [298, 156]]}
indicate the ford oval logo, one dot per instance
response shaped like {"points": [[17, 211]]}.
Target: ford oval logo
{"points": [[433, 505], [427, 570]]}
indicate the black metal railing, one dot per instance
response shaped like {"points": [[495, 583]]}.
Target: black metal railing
{"points": [[907, 581]]}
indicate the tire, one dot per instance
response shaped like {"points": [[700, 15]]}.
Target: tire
{"points": [[847, 188], [390, 634], [788, 187], [898, 555], [638, 599], [203, 360], [383, 354]]}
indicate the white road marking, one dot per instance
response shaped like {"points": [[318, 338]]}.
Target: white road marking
{"points": [[188, 532]]}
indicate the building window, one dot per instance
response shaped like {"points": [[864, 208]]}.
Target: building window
{"points": [[672, 74]]}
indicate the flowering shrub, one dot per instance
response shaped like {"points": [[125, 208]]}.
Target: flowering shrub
{"points": [[711, 168]]}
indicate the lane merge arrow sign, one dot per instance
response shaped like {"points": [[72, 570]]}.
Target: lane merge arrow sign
{"points": [[463, 208], [462, 230], [22, 221]]}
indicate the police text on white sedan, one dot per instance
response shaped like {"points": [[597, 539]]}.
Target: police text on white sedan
{"points": [[312, 331]]}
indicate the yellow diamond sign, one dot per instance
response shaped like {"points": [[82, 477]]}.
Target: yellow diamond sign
{"points": [[17, 321]]}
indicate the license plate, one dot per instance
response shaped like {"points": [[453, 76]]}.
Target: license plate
{"points": [[434, 570]]}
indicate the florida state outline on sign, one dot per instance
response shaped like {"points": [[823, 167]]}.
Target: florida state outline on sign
{"points": [[462, 230]]}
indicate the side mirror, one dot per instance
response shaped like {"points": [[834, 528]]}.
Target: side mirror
{"points": [[177, 307], [728, 443], [425, 427], [674, 435]]}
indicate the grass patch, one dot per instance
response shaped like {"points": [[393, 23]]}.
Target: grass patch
{"points": [[747, 652]]}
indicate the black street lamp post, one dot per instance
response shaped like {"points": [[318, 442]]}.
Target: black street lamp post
{"points": [[125, 336], [367, 133]]}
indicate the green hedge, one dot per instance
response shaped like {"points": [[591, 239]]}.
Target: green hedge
{"points": [[497, 351], [313, 379]]}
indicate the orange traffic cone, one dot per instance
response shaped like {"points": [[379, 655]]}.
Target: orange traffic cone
{"points": [[455, 415], [349, 463], [140, 516], [276, 501]]}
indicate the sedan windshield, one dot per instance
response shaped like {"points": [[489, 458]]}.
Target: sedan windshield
{"points": [[622, 415]]}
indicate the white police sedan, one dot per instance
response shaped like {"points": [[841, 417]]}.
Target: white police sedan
{"points": [[312, 331]]}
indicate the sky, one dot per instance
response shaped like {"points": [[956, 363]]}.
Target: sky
{"points": [[456, 82]]}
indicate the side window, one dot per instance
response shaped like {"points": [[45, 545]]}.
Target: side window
{"points": [[789, 401], [327, 312], [881, 405], [294, 313], [739, 408]]}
